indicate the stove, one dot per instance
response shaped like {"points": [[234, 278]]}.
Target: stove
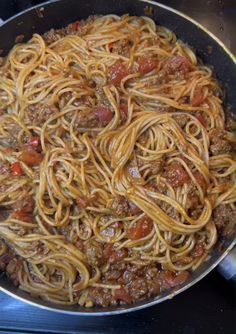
{"points": [[208, 307]]}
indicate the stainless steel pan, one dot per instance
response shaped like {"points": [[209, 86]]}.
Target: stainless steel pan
{"points": [[59, 13]]}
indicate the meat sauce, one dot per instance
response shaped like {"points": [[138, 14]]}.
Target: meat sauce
{"points": [[134, 281]]}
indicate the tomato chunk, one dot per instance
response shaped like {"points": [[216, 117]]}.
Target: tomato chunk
{"points": [[198, 250], [34, 141], [146, 64], [202, 119], [74, 25], [117, 72], [198, 98], [200, 179], [143, 227], [177, 64], [170, 280], [103, 114], [110, 46], [22, 215], [31, 157], [16, 169], [176, 175], [123, 295]]}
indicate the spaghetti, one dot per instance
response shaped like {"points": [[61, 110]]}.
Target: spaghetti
{"points": [[116, 167]]}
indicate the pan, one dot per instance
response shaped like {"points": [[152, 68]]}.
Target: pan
{"points": [[59, 13]]}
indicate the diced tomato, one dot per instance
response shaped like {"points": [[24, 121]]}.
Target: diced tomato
{"points": [[146, 64], [176, 175], [143, 227], [170, 280], [117, 72], [16, 169], [31, 157], [177, 64], [74, 25], [34, 141], [198, 250], [181, 277], [110, 46], [202, 119], [22, 215], [123, 295], [200, 179], [198, 98], [104, 114]]}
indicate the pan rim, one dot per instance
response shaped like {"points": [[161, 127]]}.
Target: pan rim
{"points": [[156, 300]]}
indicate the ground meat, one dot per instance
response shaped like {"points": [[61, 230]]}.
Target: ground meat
{"points": [[168, 209], [120, 206], [54, 35], [141, 282], [121, 47], [4, 167], [138, 288], [79, 244], [94, 252], [134, 209], [223, 217], [156, 166], [118, 255], [221, 147], [102, 297], [192, 198], [198, 250], [5, 259], [101, 97], [12, 265], [176, 175], [112, 274], [85, 201], [64, 99], [4, 213], [8, 143], [181, 119], [86, 119], [220, 142], [99, 116], [113, 255], [123, 207], [79, 28], [176, 64], [39, 115]]}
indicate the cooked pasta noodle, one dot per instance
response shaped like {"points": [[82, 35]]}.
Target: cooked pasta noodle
{"points": [[116, 166]]}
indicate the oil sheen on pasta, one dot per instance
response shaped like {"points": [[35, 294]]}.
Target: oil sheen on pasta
{"points": [[116, 167]]}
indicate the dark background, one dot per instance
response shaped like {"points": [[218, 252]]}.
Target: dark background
{"points": [[208, 307]]}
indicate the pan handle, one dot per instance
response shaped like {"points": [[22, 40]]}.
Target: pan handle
{"points": [[227, 267]]}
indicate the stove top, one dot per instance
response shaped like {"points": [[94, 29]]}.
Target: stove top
{"points": [[208, 307]]}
